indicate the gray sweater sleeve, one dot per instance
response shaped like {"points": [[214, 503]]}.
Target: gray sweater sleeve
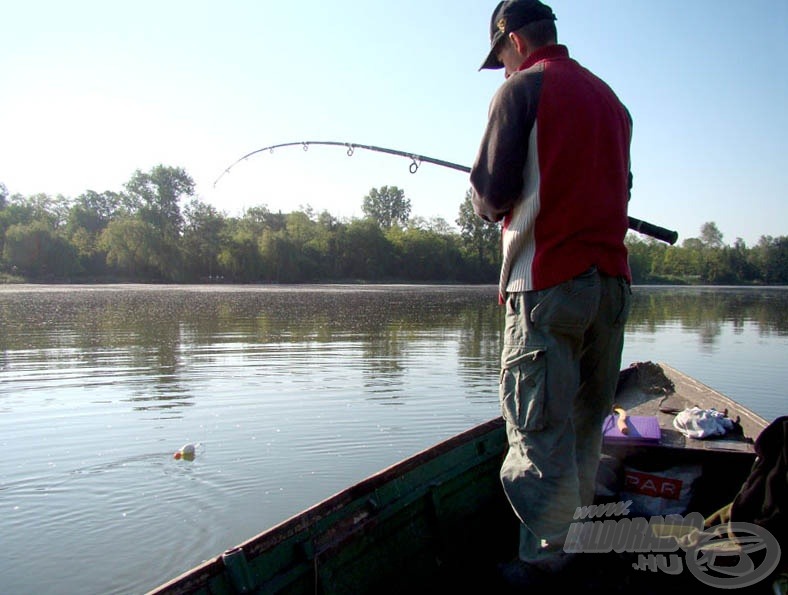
{"points": [[497, 173]]}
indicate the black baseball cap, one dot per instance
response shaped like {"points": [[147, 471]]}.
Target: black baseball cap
{"points": [[509, 16]]}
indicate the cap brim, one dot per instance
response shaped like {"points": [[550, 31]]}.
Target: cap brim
{"points": [[491, 62]]}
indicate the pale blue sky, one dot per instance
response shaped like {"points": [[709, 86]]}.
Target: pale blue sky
{"points": [[91, 91]]}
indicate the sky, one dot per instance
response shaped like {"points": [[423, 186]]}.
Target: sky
{"points": [[91, 92]]}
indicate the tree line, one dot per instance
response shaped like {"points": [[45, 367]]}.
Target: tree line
{"points": [[156, 230], [707, 260]]}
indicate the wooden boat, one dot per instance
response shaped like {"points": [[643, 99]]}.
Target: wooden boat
{"points": [[438, 521]]}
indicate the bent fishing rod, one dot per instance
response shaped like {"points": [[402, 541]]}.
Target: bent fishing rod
{"points": [[655, 231]]}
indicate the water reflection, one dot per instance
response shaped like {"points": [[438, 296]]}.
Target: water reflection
{"points": [[704, 309], [164, 335], [162, 343]]}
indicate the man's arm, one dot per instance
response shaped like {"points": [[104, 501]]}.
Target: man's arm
{"points": [[497, 172]]}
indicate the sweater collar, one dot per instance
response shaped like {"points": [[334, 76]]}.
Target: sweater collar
{"points": [[548, 52]]}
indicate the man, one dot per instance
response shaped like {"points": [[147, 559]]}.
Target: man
{"points": [[554, 167]]}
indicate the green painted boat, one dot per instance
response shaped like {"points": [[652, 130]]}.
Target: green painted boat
{"points": [[439, 522]]}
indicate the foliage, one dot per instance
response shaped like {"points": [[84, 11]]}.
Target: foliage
{"points": [[706, 260], [710, 235], [156, 230], [202, 239], [387, 205], [37, 250], [481, 240], [132, 247]]}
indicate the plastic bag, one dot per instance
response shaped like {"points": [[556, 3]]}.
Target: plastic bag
{"points": [[695, 422], [660, 492]]}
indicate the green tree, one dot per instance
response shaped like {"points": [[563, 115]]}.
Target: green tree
{"points": [[480, 240], [17, 209], [440, 226], [132, 247], [646, 258], [710, 235], [94, 210], [157, 196], [240, 258], [683, 261], [37, 250], [87, 218], [771, 258], [202, 239], [387, 205], [37, 207], [719, 267], [22, 210], [363, 251], [744, 269], [292, 254], [261, 218], [425, 255], [11, 214]]}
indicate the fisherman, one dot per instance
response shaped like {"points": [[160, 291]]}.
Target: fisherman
{"points": [[554, 168]]}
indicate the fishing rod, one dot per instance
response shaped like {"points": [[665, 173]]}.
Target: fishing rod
{"points": [[655, 231]]}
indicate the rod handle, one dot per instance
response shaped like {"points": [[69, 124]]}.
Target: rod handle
{"points": [[655, 231]]}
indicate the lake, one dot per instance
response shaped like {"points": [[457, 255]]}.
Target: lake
{"points": [[291, 393]]}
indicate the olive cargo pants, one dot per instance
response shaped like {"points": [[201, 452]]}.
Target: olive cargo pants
{"points": [[559, 368]]}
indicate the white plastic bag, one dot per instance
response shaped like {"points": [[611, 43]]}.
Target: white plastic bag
{"points": [[660, 492]]}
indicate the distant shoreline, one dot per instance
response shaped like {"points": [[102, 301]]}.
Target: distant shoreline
{"points": [[16, 283]]}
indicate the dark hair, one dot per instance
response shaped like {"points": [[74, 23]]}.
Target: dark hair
{"points": [[540, 33]]}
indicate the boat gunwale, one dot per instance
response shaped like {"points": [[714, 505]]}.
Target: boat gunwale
{"points": [[202, 573]]}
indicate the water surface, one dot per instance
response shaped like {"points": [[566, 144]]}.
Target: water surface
{"points": [[292, 393]]}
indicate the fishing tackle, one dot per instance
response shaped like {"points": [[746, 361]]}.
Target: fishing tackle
{"points": [[666, 235]]}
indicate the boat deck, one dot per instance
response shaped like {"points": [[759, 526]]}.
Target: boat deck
{"points": [[647, 389]]}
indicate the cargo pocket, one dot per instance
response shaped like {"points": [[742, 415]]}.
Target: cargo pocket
{"points": [[522, 391]]}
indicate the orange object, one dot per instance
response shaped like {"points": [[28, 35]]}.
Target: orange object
{"points": [[186, 452], [621, 421]]}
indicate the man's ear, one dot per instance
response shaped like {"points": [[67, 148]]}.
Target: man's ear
{"points": [[519, 42]]}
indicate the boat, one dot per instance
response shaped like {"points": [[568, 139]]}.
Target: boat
{"points": [[439, 522]]}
